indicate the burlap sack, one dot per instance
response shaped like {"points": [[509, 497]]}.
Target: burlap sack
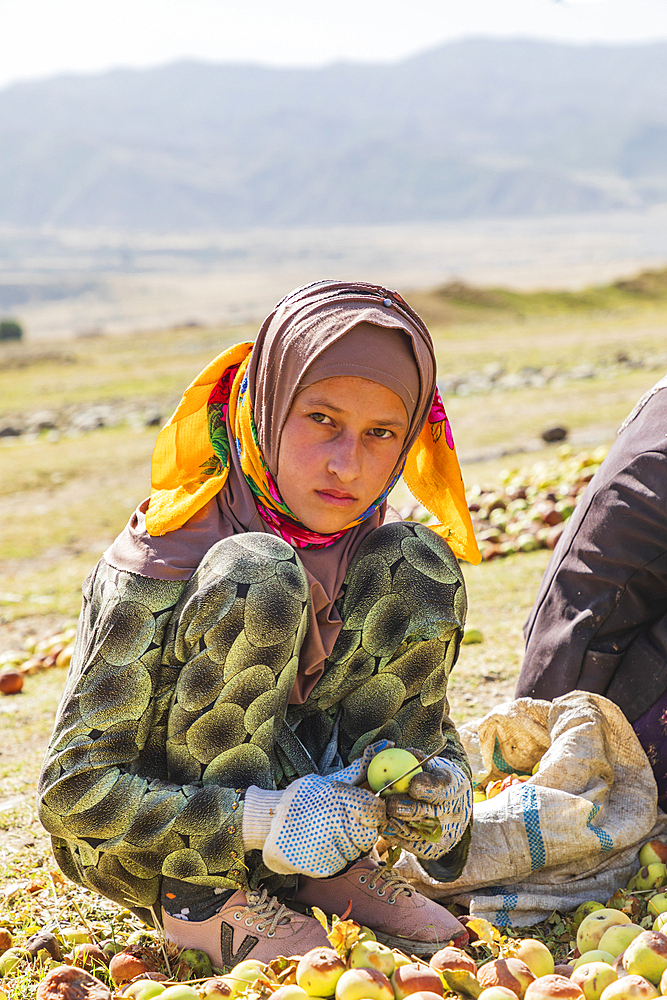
{"points": [[572, 831]]}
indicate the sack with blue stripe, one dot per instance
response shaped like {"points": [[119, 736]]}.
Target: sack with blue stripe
{"points": [[568, 833]]}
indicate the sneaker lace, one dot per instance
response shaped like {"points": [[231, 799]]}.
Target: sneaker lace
{"points": [[260, 904], [392, 880]]}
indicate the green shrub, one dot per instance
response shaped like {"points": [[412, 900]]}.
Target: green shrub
{"points": [[10, 330]]}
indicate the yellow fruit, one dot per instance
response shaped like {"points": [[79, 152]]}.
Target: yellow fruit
{"points": [[388, 766]]}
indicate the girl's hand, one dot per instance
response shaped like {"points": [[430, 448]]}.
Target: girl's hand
{"points": [[434, 815], [320, 825]]}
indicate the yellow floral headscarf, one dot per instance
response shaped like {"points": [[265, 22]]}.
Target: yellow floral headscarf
{"points": [[191, 460]]}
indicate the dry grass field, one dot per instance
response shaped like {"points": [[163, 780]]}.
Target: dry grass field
{"points": [[64, 497]]}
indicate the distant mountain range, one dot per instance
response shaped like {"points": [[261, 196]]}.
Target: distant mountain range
{"points": [[477, 128]]}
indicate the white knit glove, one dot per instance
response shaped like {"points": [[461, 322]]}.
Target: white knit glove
{"points": [[318, 824], [439, 799]]}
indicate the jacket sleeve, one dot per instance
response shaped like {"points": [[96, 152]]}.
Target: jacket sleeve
{"points": [[599, 622], [118, 819]]}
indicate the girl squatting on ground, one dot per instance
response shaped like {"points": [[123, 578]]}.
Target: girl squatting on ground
{"points": [[262, 627]]}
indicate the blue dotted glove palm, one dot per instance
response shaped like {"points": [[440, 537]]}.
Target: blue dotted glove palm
{"points": [[320, 825], [435, 813]]}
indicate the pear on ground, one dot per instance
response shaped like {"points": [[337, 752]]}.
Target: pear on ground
{"points": [[652, 876], [554, 988], [630, 988], [144, 989], [216, 988], [646, 956], [363, 984], [75, 935], [660, 922], [537, 957], [318, 972], [243, 974], [594, 977], [151, 989], [453, 960], [663, 984], [653, 851], [657, 904], [617, 938], [415, 978], [595, 924], [424, 995], [497, 993], [594, 956], [372, 955], [618, 966], [509, 972], [181, 991], [290, 992], [583, 910]]}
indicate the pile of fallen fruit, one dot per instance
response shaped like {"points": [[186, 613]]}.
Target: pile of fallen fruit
{"points": [[54, 650], [530, 506], [600, 952]]}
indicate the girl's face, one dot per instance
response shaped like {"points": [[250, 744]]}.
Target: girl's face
{"points": [[340, 444]]}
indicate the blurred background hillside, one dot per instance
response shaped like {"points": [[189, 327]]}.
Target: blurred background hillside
{"points": [[200, 192], [478, 128]]}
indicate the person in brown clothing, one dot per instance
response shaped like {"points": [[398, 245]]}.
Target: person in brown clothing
{"points": [[599, 622]]}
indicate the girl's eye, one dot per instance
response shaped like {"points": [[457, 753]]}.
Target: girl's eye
{"points": [[382, 433], [320, 418]]}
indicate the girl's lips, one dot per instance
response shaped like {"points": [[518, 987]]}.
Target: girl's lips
{"points": [[336, 497]]}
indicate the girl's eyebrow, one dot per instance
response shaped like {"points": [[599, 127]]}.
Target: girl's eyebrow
{"points": [[323, 402]]}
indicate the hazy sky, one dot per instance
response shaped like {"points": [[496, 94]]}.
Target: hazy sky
{"points": [[42, 37]]}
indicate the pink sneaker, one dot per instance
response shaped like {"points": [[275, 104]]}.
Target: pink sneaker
{"points": [[384, 901], [249, 925]]}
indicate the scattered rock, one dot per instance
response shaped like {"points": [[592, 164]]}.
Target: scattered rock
{"points": [[10, 429], [42, 420], [26, 359], [152, 418], [83, 419], [552, 434], [91, 419]]}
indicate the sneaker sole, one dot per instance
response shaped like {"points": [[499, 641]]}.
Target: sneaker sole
{"points": [[421, 948]]}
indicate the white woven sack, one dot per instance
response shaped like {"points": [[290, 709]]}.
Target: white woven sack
{"points": [[568, 834]]}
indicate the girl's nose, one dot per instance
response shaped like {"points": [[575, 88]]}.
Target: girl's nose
{"points": [[345, 459]]}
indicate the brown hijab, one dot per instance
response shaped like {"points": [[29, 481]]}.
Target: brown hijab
{"points": [[319, 331]]}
